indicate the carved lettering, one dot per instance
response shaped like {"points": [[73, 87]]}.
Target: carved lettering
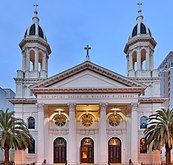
{"points": [[86, 96]]}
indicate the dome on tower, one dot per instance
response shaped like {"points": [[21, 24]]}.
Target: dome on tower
{"points": [[35, 29], [140, 28]]}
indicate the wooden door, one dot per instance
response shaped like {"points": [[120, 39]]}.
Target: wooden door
{"points": [[114, 153], [87, 150], [59, 150]]}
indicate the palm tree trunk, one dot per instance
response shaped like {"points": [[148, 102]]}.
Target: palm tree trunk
{"points": [[7, 156], [168, 155]]}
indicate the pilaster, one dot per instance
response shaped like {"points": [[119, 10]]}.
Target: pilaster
{"points": [[36, 60], [72, 136], [40, 140], [134, 134], [103, 143]]}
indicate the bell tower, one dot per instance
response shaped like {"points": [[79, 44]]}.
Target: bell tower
{"points": [[35, 54], [139, 50]]}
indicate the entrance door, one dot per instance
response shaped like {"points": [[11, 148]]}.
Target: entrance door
{"points": [[59, 150], [114, 153], [87, 150]]}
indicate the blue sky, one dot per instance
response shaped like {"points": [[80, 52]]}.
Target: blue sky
{"points": [[71, 24]]}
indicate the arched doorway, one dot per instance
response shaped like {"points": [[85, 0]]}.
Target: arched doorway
{"points": [[60, 150], [114, 150], [87, 150]]}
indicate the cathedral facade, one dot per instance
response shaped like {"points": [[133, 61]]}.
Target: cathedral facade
{"points": [[87, 114]]}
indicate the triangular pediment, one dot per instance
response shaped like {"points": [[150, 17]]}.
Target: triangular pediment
{"points": [[87, 79], [87, 75]]}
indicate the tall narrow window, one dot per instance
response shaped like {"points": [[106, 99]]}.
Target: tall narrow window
{"points": [[31, 149], [143, 122], [31, 123], [143, 146]]}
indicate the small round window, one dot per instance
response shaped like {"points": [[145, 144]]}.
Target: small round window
{"points": [[114, 120], [87, 120], [60, 120]]}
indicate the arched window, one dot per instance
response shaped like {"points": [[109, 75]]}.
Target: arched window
{"points": [[134, 60], [32, 60], [143, 59], [143, 122], [31, 123], [31, 149], [143, 146]]}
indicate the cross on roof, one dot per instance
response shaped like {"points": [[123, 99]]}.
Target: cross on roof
{"points": [[139, 6], [87, 48], [36, 7]]}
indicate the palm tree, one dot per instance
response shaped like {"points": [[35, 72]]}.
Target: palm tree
{"points": [[159, 132], [13, 133]]}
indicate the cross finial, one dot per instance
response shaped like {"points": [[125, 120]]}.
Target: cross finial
{"points": [[139, 7], [36, 7], [87, 48]]}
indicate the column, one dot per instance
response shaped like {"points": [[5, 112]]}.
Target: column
{"points": [[134, 134], [151, 61], [24, 62], [40, 140], [27, 60], [127, 58], [148, 59], [103, 143], [139, 60], [36, 60], [130, 61], [71, 160], [44, 61]]}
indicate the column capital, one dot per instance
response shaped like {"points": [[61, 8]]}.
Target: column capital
{"points": [[134, 106], [71, 106], [103, 106], [40, 106]]}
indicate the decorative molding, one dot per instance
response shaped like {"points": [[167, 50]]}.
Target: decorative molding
{"points": [[59, 132], [35, 40], [87, 131], [88, 66], [23, 101], [116, 132], [137, 39], [152, 100], [86, 90], [144, 79]]}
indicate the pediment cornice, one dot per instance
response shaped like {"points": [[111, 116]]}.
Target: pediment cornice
{"points": [[152, 100], [23, 101], [86, 90], [92, 67]]}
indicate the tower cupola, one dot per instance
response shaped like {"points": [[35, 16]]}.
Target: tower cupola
{"points": [[35, 54], [139, 49], [35, 29]]}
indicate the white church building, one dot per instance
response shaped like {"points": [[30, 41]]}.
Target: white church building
{"points": [[87, 114]]}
